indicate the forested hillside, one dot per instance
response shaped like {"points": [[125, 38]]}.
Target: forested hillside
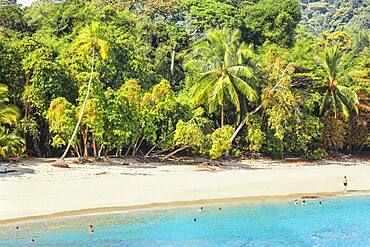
{"points": [[335, 15], [211, 77]]}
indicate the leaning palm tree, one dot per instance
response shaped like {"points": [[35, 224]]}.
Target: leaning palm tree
{"points": [[337, 97], [88, 41], [224, 66]]}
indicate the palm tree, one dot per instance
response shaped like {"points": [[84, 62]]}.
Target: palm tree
{"points": [[223, 65], [87, 41], [8, 114], [336, 96]]}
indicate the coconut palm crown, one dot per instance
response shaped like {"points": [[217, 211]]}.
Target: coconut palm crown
{"points": [[224, 67], [337, 97]]}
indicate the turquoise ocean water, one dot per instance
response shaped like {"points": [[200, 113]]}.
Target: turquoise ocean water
{"points": [[335, 222]]}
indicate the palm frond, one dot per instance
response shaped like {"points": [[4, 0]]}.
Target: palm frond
{"points": [[216, 94], [245, 89], [344, 108], [9, 114], [349, 97], [241, 71], [232, 93]]}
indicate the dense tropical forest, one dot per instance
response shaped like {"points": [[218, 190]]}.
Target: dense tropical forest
{"points": [[212, 77]]}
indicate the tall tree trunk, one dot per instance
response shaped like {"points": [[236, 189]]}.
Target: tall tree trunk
{"points": [[94, 147], [84, 139], [83, 107], [173, 61], [222, 114]]}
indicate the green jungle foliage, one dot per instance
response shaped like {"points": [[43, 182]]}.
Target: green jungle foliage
{"points": [[214, 78], [335, 15]]}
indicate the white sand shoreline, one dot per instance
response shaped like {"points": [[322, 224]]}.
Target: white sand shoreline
{"points": [[45, 191]]}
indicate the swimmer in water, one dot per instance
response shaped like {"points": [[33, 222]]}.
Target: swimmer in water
{"points": [[195, 219], [201, 209], [295, 202], [219, 209], [91, 229]]}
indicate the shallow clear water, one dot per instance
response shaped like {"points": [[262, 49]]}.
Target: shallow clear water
{"points": [[335, 222]]}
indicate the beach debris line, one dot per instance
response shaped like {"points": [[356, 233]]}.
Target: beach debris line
{"points": [[60, 163], [210, 166]]}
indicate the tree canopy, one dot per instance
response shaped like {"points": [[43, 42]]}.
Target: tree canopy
{"points": [[213, 77]]}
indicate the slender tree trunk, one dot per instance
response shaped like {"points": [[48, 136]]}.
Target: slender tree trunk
{"points": [[173, 61], [120, 151], [84, 139], [76, 150], [134, 148], [128, 151], [243, 122], [176, 151], [139, 145], [94, 147], [100, 150], [83, 107], [79, 149], [222, 114]]}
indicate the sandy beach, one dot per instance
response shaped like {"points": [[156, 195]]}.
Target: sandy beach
{"points": [[38, 189]]}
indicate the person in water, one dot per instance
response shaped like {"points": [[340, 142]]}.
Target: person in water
{"points": [[345, 183], [91, 228], [295, 201], [201, 209]]}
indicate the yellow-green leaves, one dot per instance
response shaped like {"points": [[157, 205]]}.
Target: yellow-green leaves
{"points": [[220, 140], [91, 37]]}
